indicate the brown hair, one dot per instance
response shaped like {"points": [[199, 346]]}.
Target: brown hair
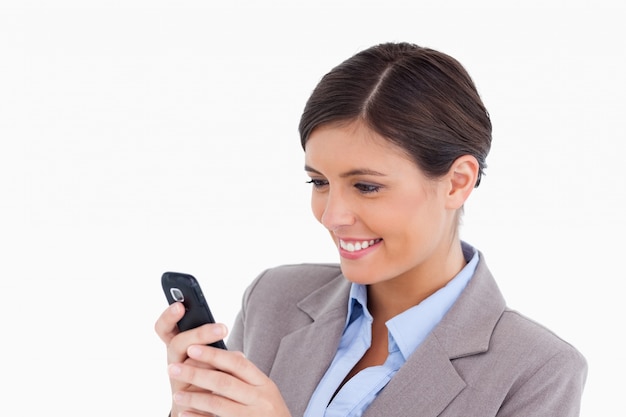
{"points": [[419, 99]]}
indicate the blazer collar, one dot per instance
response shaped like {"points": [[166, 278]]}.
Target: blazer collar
{"points": [[467, 328], [425, 384]]}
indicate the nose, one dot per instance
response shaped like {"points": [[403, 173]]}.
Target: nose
{"points": [[337, 211]]}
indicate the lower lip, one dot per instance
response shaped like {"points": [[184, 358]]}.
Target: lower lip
{"points": [[357, 254]]}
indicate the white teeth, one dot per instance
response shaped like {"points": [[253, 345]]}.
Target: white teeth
{"points": [[357, 246]]}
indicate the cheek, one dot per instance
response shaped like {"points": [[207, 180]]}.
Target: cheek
{"points": [[317, 206], [412, 217]]}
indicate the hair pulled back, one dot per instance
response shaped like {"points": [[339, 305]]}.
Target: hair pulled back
{"points": [[419, 99]]}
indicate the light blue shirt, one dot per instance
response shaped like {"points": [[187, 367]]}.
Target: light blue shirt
{"points": [[406, 332]]}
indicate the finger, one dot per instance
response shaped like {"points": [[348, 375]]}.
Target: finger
{"points": [[212, 381], [204, 402], [234, 363], [226, 395], [202, 335], [166, 326], [227, 373]]}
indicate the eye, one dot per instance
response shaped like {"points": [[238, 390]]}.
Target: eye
{"points": [[367, 188], [318, 184]]}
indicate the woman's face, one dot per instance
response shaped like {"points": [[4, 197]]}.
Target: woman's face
{"points": [[387, 219]]}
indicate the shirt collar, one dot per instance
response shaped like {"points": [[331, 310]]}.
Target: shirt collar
{"points": [[408, 329], [357, 304]]}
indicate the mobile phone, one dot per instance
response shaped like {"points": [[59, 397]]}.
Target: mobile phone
{"points": [[186, 289]]}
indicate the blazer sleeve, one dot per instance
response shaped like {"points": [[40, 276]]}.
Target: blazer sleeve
{"points": [[235, 338]]}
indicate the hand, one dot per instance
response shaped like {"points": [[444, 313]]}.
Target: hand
{"points": [[177, 343], [229, 386]]}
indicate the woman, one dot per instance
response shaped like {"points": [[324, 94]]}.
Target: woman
{"points": [[411, 323]]}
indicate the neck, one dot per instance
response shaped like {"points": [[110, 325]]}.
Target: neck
{"points": [[389, 298]]}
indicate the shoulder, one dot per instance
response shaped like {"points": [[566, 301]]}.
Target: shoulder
{"points": [[532, 358], [503, 353], [293, 280], [525, 369], [533, 343], [490, 325], [302, 270], [278, 290]]}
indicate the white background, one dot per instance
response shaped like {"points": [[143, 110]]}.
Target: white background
{"points": [[143, 136]]}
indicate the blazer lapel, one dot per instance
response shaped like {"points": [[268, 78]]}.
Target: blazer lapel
{"points": [[423, 387], [312, 347], [428, 381]]}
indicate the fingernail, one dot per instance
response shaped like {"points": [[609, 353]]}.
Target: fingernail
{"points": [[194, 351], [179, 397], [219, 330], [174, 370], [175, 308]]}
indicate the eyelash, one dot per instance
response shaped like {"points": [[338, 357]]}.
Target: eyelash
{"points": [[363, 188], [318, 183], [367, 188]]}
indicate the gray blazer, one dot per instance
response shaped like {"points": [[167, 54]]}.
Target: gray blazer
{"points": [[483, 359]]}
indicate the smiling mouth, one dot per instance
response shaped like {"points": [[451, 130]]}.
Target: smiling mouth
{"points": [[357, 246]]}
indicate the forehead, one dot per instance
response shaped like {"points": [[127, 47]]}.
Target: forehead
{"points": [[351, 142]]}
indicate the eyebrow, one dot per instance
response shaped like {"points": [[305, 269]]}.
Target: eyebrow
{"points": [[351, 173]]}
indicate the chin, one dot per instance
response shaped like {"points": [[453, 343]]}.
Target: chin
{"points": [[361, 276]]}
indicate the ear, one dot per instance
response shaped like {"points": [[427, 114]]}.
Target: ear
{"points": [[462, 178]]}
